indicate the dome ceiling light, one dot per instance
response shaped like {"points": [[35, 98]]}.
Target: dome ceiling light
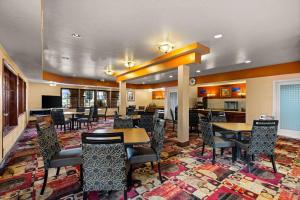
{"points": [[129, 63], [166, 46]]}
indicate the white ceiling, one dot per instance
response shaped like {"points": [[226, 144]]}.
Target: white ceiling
{"points": [[263, 31]]}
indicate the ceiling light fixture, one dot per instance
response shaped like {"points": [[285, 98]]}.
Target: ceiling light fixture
{"points": [[109, 71], [198, 71], [166, 47], [76, 35], [218, 36], [171, 76], [129, 63], [248, 61]]}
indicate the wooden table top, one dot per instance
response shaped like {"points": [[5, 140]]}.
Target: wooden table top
{"points": [[131, 135], [134, 117], [73, 113], [233, 126]]}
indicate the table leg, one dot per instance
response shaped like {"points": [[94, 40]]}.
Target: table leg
{"points": [[73, 117]]}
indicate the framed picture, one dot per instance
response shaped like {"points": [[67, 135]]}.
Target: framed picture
{"points": [[130, 95], [225, 92]]}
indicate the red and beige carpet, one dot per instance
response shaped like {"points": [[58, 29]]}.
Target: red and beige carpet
{"points": [[187, 174]]}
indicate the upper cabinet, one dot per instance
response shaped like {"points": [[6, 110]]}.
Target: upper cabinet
{"points": [[223, 91]]}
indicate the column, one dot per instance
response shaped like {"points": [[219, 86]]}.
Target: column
{"points": [[183, 105], [123, 100]]}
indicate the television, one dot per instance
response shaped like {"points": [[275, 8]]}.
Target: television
{"points": [[51, 101]]}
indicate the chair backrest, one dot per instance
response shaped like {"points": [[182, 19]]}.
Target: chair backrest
{"points": [[123, 123], [146, 122], [172, 115], [91, 113], [155, 116], [263, 136], [103, 161], [116, 115], [218, 117], [130, 111], [80, 109], [57, 116], [47, 140], [141, 107], [207, 132], [157, 140], [193, 118], [95, 111]]}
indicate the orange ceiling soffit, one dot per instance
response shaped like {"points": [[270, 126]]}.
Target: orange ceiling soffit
{"points": [[186, 55], [48, 76]]}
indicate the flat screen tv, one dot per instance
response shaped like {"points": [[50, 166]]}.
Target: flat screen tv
{"points": [[51, 101]]}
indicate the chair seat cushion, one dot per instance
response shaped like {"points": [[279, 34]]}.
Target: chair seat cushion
{"points": [[141, 154], [242, 144], [83, 119], [222, 142], [68, 157]]}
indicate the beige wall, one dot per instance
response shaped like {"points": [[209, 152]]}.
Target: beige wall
{"points": [[9, 140], [260, 95]]}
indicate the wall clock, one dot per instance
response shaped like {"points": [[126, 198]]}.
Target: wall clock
{"points": [[192, 81]]}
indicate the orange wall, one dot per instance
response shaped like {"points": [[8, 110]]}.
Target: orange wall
{"points": [[216, 90]]}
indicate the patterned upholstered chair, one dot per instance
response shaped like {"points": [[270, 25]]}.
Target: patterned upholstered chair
{"points": [[215, 141], [58, 118], [194, 121], [116, 114], [221, 117], [262, 141], [174, 121], [123, 123], [146, 122], [151, 154], [104, 115], [52, 154], [95, 113], [86, 120], [130, 110], [155, 116], [104, 162]]}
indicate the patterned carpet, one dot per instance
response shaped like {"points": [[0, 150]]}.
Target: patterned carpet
{"points": [[187, 174]]}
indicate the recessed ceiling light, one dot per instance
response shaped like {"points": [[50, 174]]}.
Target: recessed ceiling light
{"points": [[170, 76], [52, 84], [198, 71], [218, 36], [76, 35], [74, 75], [248, 61]]}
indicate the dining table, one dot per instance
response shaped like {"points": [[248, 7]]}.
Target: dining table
{"points": [[73, 113], [238, 128], [132, 136]]}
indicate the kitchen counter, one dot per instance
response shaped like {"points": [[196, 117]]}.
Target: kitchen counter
{"points": [[231, 116]]}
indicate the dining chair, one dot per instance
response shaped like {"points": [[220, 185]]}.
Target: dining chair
{"points": [[141, 107], [221, 117], [95, 113], [262, 141], [53, 155], [146, 122], [116, 114], [218, 117], [103, 162], [86, 120], [194, 121], [130, 111], [155, 116], [104, 115], [123, 123], [215, 141], [58, 118], [174, 121], [142, 154]]}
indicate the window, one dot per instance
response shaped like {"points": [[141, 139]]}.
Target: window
{"points": [[10, 103], [101, 98], [66, 98], [88, 96], [21, 95]]}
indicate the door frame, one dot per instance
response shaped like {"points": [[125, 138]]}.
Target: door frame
{"points": [[276, 105]]}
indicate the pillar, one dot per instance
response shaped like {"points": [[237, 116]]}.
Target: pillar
{"points": [[183, 105], [123, 100]]}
